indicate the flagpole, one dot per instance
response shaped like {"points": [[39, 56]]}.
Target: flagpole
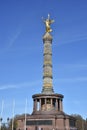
{"points": [[13, 115], [25, 115]]}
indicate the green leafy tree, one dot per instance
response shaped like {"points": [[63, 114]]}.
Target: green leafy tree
{"points": [[14, 124], [81, 124], [3, 127]]}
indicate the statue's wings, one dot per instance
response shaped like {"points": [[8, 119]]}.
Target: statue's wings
{"points": [[51, 21]]}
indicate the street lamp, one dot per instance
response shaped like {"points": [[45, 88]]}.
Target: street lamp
{"points": [[8, 119], [0, 123], [55, 121]]}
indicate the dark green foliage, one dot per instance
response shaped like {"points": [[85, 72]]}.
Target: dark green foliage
{"points": [[8, 125], [81, 123], [4, 127]]}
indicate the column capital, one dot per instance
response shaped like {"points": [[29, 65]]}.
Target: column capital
{"points": [[47, 36]]}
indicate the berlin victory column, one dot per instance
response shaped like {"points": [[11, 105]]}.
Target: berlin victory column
{"points": [[47, 106]]}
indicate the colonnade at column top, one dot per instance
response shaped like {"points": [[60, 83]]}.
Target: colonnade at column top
{"points": [[46, 103]]}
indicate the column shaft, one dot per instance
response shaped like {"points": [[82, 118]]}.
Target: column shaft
{"points": [[47, 65]]}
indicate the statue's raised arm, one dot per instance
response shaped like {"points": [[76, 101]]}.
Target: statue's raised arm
{"points": [[47, 22]]}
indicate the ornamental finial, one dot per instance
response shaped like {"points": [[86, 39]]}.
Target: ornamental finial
{"points": [[47, 22]]}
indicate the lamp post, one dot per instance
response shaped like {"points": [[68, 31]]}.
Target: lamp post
{"points": [[8, 119], [0, 123], [55, 121]]}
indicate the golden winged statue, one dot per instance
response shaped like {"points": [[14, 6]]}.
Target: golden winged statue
{"points": [[47, 22]]}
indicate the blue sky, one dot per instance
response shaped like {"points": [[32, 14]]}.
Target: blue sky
{"points": [[21, 53]]}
